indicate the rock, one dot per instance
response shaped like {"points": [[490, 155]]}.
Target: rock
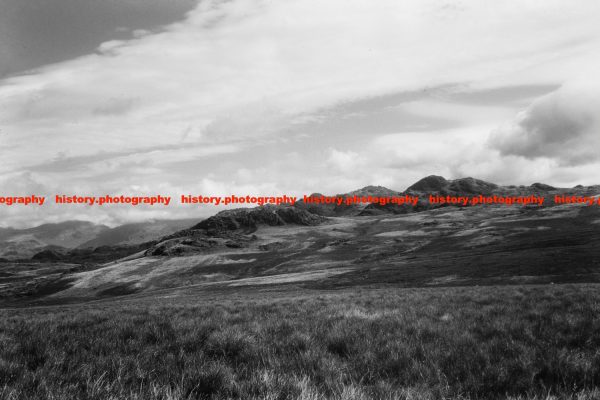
{"points": [[542, 186], [439, 184], [248, 219], [471, 186], [431, 183]]}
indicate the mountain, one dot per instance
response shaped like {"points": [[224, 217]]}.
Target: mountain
{"points": [[136, 233], [24, 243], [330, 210], [429, 185], [440, 185], [250, 219], [60, 240], [231, 229], [82, 235], [285, 246], [542, 187], [369, 244], [64, 234], [379, 191], [234, 229]]}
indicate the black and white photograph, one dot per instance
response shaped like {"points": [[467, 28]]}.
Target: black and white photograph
{"points": [[299, 200]]}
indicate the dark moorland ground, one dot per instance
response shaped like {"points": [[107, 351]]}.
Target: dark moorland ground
{"points": [[517, 342]]}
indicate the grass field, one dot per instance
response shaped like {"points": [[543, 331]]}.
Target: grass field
{"points": [[520, 342]]}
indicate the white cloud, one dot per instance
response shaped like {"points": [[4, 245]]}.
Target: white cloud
{"points": [[230, 85], [344, 161]]}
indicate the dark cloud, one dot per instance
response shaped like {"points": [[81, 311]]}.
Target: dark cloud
{"points": [[561, 126], [39, 32]]}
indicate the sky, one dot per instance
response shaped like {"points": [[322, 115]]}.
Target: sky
{"points": [[269, 97]]}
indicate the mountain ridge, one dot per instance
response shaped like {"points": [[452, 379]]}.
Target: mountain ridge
{"points": [[84, 236]]}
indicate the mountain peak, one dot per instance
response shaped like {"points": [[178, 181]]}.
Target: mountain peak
{"points": [[542, 186], [439, 184], [372, 190], [431, 183], [472, 185]]}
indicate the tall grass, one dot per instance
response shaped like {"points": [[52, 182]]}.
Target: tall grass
{"points": [[521, 342]]}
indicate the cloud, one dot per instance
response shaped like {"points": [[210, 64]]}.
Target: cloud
{"points": [[236, 88], [116, 106], [344, 160], [39, 32], [562, 126]]}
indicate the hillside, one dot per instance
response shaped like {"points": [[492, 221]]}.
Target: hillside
{"points": [[425, 245], [286, 245], [343, 209]]}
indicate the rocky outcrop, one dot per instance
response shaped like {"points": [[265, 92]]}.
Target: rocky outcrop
{"points": [[431, 183], [440, 185], [335, 210], [248, 220], [471, 186], [542, 187]]}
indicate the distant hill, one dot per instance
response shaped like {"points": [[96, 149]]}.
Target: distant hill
{"points": [[53, 239], [66, 237], [24, 243], [64, 234], [136, 233]]}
